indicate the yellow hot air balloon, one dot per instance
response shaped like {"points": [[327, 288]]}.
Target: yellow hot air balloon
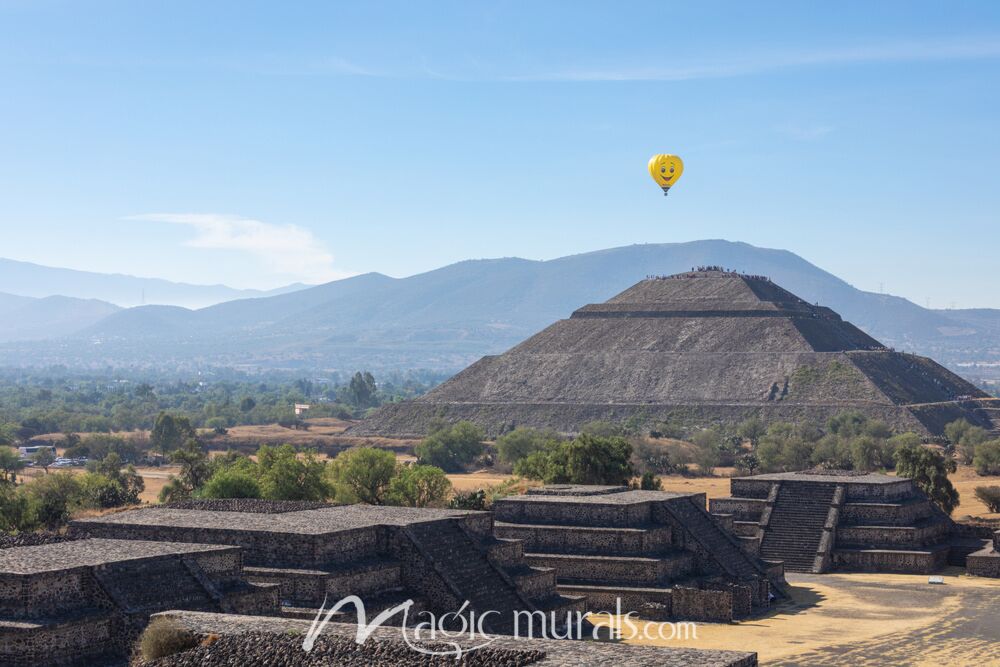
{"points": [[666, 170]]}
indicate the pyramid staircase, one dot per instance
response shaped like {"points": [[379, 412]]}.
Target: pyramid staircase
{"points": [[150, 586], [489, 574], [793, 532]]}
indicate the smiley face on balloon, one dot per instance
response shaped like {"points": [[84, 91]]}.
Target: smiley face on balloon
{"points": [[665, 169]]}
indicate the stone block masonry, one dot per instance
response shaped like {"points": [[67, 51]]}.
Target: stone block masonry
{"points": [[437, 558], [74, 603], [821, 520], [660, 553], [986, 562]]}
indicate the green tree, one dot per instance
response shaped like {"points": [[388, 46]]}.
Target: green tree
{"points": [[43, 458], [286, 475], [366, 473], [865, 453], [54, 497], [522, 441], [195, 471], [748, 463], [587, 459], [10, 465], [247, 404], [171, 432], [929, 470], [362, 390], [987, 459], [129, 483], [15, 510], [751, 430], [989, 496], [708, 441], [418, 486], [450, 448]]}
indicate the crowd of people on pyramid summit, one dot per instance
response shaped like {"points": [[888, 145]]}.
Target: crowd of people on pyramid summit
{"points": [[704, 269]]}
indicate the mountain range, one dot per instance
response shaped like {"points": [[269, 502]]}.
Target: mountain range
{"points": [[445, 318], [35, 280]]}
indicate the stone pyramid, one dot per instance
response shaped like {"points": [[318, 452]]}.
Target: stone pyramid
{"points": [[699, 348]]}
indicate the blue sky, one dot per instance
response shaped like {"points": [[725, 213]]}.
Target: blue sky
{"points": [[259, 143]]}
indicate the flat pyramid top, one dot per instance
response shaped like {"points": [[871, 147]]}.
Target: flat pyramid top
{"points": [[704, 292]]}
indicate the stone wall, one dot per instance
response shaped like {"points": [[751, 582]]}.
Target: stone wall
{"points": [[741, 509], [702, 605], [886, 560], [888, 514]]}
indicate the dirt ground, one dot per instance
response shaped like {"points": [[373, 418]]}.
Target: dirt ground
{"points": [[866, 620], [965, 481]]}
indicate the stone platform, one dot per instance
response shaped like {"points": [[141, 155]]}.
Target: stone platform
{"points": [[986, 562], [80, 601], [817, 521], [437, 558], [659, 554]]}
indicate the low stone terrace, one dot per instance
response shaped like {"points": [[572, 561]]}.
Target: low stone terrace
{"points": [[657, 553], [82, 601], [822, 520], [986, 562], [438, 558]]}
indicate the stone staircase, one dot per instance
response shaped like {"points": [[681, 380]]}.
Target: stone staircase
{"points": [[148, 586], [718, 542], [795, 527], [461, 560]]}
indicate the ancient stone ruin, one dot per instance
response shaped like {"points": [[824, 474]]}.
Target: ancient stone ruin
{"points": [[823, 520], [698, 348], [438, 558], [660, 554], [77, 602], [986, 561]]}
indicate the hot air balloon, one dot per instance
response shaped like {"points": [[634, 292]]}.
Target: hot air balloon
{"points": [[666, 170]]}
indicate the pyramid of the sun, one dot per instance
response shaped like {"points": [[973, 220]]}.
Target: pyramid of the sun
{"points": [[698, 348]]}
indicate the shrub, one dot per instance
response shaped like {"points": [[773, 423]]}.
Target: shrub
{"points": [[989, 496], [54, 497], [165, 636], [653, 457], [469, 500], [521, 442], [451, 447], [418, 486], [649, 482], [708, 442], [231, 483], [987, 458]]}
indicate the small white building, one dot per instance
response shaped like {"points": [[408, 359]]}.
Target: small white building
{"points": [[301, 408]]}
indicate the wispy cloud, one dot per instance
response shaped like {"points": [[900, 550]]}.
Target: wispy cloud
{"points": [[288, 250], [749, 64]]}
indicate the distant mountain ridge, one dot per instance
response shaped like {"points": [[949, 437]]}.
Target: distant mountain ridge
{"points": [[27, 318], [445, 318], [34, 280]]}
